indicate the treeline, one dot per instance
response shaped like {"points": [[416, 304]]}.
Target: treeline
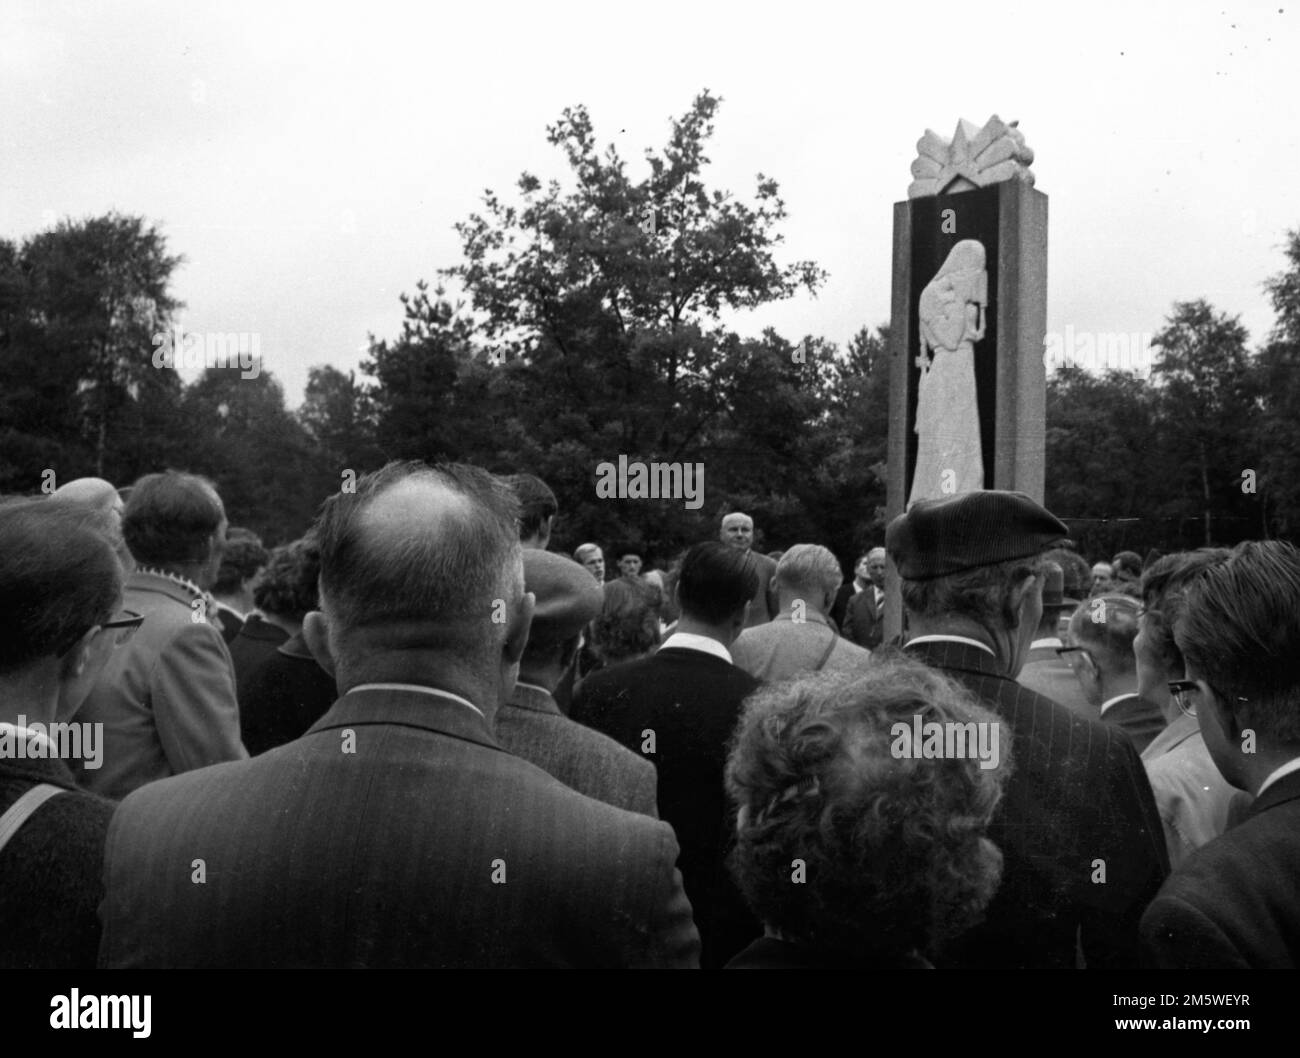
{"points": [[592, 328]]}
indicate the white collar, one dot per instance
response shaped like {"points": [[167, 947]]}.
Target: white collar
{"points": [[531, 686], [1050, 641], [691, 641], [951, 639], [1118, 698], [176, 578], [1277, 773], [416, 687]]}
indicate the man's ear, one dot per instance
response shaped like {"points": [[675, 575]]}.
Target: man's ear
{"points": [[76, 659], [315, 632], [1015, 600], [517, 631]]}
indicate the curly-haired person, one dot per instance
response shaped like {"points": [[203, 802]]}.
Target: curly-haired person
{"points": [[856, 848]]}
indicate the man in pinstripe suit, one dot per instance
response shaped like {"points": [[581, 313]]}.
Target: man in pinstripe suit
{"points": [[1081, 840], [397, 832]]}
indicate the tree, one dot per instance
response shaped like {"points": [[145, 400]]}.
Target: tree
{"points": [[1206, 406], [338, 414], [595, 332], [82, 304], [1278, 370]]}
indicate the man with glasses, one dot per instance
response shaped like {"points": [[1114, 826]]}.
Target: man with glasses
{"points": [[1233, 903], [1102, 633], [1194, 800], [60, 585]]}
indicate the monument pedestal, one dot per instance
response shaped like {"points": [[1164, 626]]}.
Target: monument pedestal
{"points": [[1009, 220]]}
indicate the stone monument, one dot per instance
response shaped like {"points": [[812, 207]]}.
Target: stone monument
{"points": [[968, 321]]}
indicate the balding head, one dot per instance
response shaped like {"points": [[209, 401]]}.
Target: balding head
{"points": [[93, 492], [101, 500], [1106, 626], [422, 580], [737, 531]]}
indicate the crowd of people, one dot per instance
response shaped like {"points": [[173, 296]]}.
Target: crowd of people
{"points": [[419, 737]]}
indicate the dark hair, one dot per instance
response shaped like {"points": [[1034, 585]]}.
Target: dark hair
{"points": [[1078, 574], [894, 847], [628, 624], [536, 503], [715, 581], [287, 587], [170, 518], [59, 578], [451, 575], [1128, 564], [243, 556], [1164, 583], [982, 594], [1240, 632]]}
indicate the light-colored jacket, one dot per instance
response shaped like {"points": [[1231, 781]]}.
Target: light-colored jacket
{"points": [[784, 648], [166, 697]]}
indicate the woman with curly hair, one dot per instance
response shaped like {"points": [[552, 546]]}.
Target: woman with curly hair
{"points": [[853, 854]]}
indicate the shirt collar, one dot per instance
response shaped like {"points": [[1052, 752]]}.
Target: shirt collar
{"points": [[809, 617], [1118, 698], [531, 686], [951, 639], [691, 641], [1277, 773], [416, 687]]}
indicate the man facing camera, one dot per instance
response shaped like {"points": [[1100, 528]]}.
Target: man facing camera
{"points": [[397, 832], [738, 531], [1081, 841], [1233, 902]]}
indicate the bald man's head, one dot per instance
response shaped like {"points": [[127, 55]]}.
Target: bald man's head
{"points": [[422, 559], [93, 492], [1106, 626], [737, 531]]}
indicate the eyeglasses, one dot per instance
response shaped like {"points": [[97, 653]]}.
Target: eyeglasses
{"points": [[125, 627], [1180, 689]]}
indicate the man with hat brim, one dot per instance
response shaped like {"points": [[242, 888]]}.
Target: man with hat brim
{"points": [[531, 725], [1045, 671], [1077, 802]]}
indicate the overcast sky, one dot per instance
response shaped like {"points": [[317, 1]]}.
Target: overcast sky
{"points": [[309, 160]]}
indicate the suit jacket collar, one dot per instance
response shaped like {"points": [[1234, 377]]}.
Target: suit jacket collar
{"points": [[534, 699], [1179, 730], [700, 657], [1285, 789], [406, 709], [162, 584], [962, 656]]}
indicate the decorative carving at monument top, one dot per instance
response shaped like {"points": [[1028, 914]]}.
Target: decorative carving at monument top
{"points": [[975, 157]]}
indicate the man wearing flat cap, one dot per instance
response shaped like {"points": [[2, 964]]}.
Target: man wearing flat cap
{"points": [[1081, 841], [531, 725]]}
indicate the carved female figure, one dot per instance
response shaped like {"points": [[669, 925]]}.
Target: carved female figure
{"points": [[949, 455]]}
